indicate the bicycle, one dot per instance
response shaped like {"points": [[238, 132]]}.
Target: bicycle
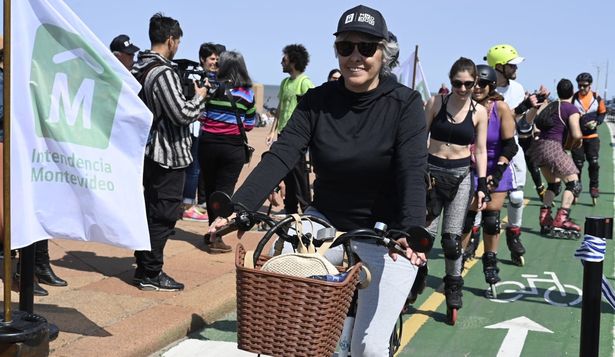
{"points": [[418, 238], [520, 290]]}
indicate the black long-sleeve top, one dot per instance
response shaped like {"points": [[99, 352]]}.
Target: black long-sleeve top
{"points": [[369, 153]]}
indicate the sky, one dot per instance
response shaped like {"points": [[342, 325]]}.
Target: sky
{"points": [[558, 38]]}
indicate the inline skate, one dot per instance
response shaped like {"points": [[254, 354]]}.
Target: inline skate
{"points": [[563, 226], [517, 250], [453, 294], [491, 270], [594, 192], [546, 220]]}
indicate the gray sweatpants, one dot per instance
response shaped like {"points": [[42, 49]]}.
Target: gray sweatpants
{"points": [[453, 212]]}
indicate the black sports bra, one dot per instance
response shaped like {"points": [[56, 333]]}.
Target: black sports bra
{"points": [[445, 130]]}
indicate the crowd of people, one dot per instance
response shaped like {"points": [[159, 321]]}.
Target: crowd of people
{"points": [[378, 152]]}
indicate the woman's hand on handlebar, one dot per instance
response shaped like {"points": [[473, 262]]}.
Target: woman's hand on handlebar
{"points": [[418, 259], [220, 222]]}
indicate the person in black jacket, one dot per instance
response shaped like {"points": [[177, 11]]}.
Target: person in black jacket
{"points": [[367, 137]]}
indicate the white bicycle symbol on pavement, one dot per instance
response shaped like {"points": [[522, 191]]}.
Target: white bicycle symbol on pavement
{"points": [[518, 290]]}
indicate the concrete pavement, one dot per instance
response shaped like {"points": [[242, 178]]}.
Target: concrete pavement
{"points": [[101, 313]]}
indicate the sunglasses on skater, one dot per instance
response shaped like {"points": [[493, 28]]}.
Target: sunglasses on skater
{"points": [[583, 85], [482, 83], [457, 84], [366, 49]]}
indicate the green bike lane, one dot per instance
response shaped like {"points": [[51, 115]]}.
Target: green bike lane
{"points": [[539, 326]]}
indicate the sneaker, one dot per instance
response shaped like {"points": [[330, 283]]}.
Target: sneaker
{"points": [[216, 246], [162, 282], [194, 214]]}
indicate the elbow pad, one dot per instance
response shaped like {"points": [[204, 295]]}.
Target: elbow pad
{"points": [[509, 148]]}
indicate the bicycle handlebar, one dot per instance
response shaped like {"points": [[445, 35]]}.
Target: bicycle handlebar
{"points": [[418, 238]]}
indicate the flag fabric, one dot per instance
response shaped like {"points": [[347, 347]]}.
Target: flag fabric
{"points": [[78, 133], [404, 74]]}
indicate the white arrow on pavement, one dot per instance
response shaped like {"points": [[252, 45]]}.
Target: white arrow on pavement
{"points": [[517, 332]]}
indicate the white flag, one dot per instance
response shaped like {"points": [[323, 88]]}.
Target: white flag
{"points": [[404, 73], [78, 133]]}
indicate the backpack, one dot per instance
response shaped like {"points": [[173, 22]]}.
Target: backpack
{"points": [[544, 119]]}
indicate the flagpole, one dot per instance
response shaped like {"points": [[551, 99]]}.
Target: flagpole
{"points": [[416, 59], [6, 160]]}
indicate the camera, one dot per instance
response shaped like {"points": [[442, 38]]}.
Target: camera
{"points": [[190, 71]]}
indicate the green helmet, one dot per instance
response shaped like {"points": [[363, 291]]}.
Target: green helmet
{"points": [[503, 54]]}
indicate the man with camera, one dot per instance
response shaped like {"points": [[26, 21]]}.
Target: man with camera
{"points": [[167, 153]]}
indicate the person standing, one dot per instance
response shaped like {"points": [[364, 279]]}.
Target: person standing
{"points": [[296, 187], [221, 146], [593, 110], [124, 50], [167, 152], [209, 55]]}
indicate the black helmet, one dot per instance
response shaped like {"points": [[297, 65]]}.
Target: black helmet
{"points": [[585, 77], [486, 73]]}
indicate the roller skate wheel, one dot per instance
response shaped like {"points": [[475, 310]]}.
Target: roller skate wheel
{"points": [[494, 293], [451, 315], [518, 260], [576, 235]]}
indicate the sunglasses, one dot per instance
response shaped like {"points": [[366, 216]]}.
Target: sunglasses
{"points": [[583, 85], [457, 84], [366, 49], [483, 83]]}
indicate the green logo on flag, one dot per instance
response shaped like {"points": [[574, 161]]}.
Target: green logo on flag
{"points": [[74, 91]]}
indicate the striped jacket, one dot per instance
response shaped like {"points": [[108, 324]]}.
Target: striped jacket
{"points": [[220, 119], [170, 139]]}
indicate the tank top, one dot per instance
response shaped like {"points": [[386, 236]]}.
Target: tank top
{"points": [[494, 142], [445, 130]]}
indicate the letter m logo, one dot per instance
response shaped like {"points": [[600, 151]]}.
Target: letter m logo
{"points": [[74, 91]]}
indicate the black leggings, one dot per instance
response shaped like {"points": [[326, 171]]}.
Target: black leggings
{"points": [[525, 144], [589, 151], [221, 164]]}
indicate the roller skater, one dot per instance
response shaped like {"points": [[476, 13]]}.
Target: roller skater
{"points": [[593, 111], [548, 153], [505, 59], [449, 163], [501, 148]]}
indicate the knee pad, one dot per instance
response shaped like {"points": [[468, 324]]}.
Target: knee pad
{"points": [[469, 222], [554, 187], [516, 198], [451, 246], [575, 187], [491, 222]]}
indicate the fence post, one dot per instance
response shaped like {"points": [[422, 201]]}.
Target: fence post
{"points": [[600, 227]]}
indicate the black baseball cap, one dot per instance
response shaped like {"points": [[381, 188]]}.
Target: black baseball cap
{"points": [[122, 44], [363, 19]]}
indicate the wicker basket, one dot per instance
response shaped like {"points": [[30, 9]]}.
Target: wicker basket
{"points": [[281, 315]]}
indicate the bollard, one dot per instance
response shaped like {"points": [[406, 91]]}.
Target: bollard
{"points": [[600, 227], [26, 335]]}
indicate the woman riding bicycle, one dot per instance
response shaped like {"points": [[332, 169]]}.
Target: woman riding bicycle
{"points": [[366, 134], [501, 148], [455, 122]]}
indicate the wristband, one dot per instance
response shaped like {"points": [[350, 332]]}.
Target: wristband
{"points": [[482, 187], [524, 106], [497, 174]]}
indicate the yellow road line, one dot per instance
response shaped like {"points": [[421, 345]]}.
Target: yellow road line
{"points": [[416, 321]]}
